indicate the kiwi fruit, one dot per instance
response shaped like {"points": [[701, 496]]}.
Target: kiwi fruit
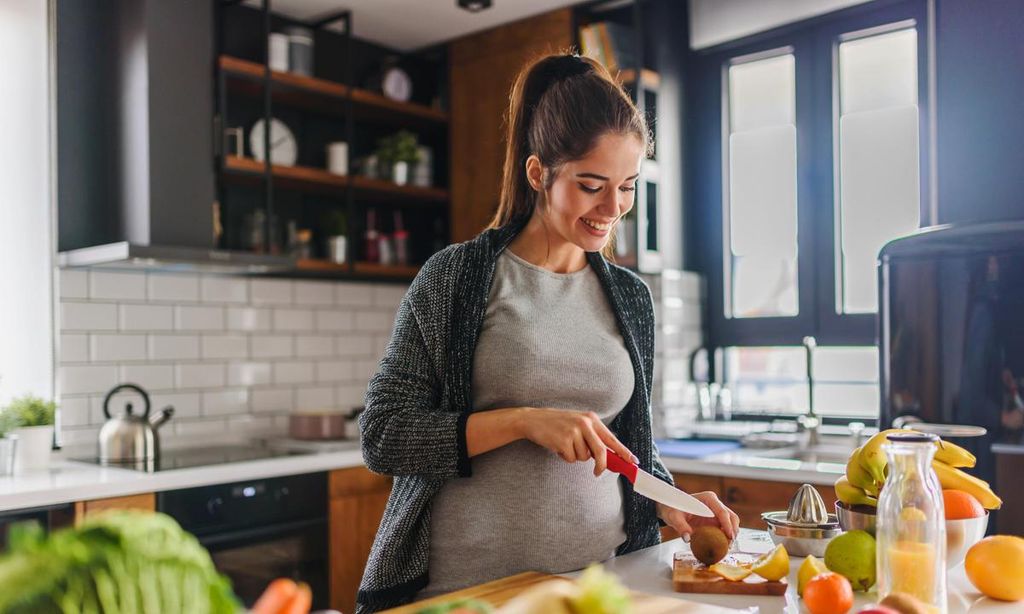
{"points": [[904, 603], [709, 544]]}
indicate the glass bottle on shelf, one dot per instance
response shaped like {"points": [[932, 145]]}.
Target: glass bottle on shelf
{"points": [[911, 529]]}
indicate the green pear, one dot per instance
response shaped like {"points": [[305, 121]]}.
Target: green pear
{"points": [[852, 555]]}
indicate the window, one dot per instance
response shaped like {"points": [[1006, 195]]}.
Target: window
{"points": [[809, 142]]}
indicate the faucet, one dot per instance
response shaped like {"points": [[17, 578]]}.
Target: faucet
{"points": [[810, 421]]}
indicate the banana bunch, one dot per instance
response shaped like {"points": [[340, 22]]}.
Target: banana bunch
{"points": [[867, 469]]}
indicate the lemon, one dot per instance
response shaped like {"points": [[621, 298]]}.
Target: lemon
{"points": [[811, 567], [772, 566], [733, 573]]}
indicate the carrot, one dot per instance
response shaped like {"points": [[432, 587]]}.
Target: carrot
{"points": [[300, 601], [278, 594]]}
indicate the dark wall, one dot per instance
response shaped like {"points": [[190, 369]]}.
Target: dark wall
{"points": [[980, 81]]}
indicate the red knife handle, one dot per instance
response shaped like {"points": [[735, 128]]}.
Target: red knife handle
{"points": [[619, 465]]}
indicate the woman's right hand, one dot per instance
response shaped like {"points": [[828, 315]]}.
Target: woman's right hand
{"points": [[573, 435]]}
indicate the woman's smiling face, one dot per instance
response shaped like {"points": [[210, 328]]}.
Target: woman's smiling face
{"points": [[590, 195]]}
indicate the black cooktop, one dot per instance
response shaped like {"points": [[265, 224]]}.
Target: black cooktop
{"points": [[184, 458]]}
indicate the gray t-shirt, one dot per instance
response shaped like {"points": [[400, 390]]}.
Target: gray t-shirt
{"points": [[548, 340]]}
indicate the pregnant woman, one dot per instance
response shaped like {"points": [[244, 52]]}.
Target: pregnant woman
{"points": [[517, 359]]}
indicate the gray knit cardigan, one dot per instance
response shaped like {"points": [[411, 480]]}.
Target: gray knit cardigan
{"points": [[417, 404]]}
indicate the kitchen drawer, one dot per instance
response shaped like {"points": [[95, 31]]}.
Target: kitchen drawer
{"points": [[145, 501], [698, 483]]}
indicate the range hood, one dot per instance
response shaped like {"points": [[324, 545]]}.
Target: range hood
{"points": [[124, 255], [136, 179]]}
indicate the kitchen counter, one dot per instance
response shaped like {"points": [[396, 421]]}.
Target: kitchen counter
{"points": [[66, 481], [650, 571]]}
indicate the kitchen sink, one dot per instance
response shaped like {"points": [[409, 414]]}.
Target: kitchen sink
{"points": [[827, 453]]}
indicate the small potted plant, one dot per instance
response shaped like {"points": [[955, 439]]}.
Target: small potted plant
{"points": [[30, 418], [398, 151]]}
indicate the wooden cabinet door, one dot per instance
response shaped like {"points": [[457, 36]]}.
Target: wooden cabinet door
{"points": [[482, 68], [357, 501], [145, 501]]}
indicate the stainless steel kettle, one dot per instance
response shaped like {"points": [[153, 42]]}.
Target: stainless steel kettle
{"points": [[129, 439]]}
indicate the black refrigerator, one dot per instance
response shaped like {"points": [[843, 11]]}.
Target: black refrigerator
{"points": [[951, 342]]}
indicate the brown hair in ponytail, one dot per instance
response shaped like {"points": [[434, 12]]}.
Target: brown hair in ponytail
{"points": [[560, 105]]}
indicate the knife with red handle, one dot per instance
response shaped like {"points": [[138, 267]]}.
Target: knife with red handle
{"points": [[655, 489]]}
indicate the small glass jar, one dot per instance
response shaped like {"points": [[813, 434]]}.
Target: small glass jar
{"points": [[911, 529]]}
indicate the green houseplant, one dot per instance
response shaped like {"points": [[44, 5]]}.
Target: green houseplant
{"points": [[30, 418], [397, 152]]}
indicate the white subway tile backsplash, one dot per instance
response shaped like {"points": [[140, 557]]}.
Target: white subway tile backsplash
{"points": [[318, 397], [249, 373], [164, 287], [108, 285], [147, 317], [150, 377], [88, 316], [225, 346], [334, 370], [272, 399], [204, 427], [350, 395], [225, 402], [74, 348], [173, 347], [185, 404], [353, 294], [272, 346], [313, 293], [374, 321], [80, 436], [221, 289], [117, 347], [334, 320], [314, 345], [389, 296], [248, 319], [199, 375], [74, 283], [293, 320], [354, 345], [74, 411], [230, 354], [293, 373], [270, 291], [87, 378], [199, 318]]}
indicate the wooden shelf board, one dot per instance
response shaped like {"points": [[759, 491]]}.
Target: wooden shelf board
{"points": [[334, 92], [316, 179], [373, 269]]}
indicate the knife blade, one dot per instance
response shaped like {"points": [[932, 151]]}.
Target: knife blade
{"points": [[657, 490]]}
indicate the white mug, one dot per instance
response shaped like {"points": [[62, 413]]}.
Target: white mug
{"points": [[337, 158], [278, 51]]}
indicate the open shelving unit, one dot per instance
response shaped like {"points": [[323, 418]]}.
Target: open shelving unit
{"points": [[306, 191]]}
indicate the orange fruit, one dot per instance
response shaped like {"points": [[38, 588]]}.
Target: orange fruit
{"points": [[960, 505], [828, 593], [995, 566]]}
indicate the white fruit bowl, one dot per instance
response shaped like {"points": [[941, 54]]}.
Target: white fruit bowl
{"points": [[960, 534]]}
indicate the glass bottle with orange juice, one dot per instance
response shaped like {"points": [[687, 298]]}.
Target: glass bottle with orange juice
{"points": [[911, 527]]}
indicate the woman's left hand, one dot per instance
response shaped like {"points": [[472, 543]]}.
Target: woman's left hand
{"points": [[685, 523]]}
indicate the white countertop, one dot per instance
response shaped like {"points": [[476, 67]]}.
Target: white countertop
{"points": [[650, 571], [66, 481], [742, 464]]}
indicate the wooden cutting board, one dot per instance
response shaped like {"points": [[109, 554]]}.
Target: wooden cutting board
{"points": [[691, 576], [500, 591]]}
